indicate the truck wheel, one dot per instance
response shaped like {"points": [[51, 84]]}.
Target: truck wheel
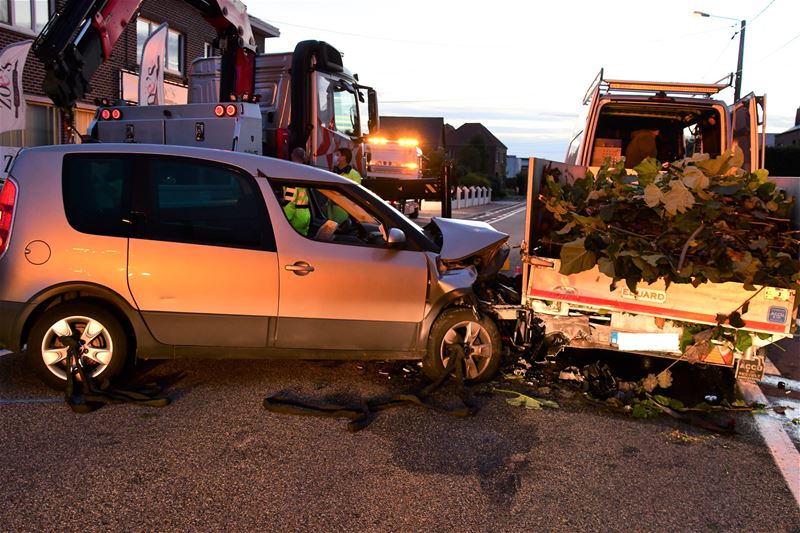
{"points": [[103, 340], [415, 212], [479, 338]]}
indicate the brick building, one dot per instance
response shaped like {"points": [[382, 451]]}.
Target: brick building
{"points": [[190, 37]]}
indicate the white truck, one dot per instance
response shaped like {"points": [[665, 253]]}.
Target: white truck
{"points": [[396, 159], [304, 98], [581, 308]]}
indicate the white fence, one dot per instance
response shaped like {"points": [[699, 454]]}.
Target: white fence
{"points": [[469, 196]]}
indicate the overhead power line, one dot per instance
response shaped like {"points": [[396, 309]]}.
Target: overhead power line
{"points": [[784, 45], [760, 12], [361, 35]]}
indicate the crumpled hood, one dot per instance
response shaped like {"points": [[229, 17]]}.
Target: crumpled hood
{"points": [[464, 238], [469, 244]]}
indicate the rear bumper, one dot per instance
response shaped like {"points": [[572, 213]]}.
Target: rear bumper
{"points": [[10, 320]]}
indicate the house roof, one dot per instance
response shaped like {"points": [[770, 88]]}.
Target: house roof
{"points": [[265, 28], [427, 130], [468, 130]]}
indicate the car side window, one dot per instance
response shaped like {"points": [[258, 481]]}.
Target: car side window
{"points": [[198, 202], [326, 214], [97, 193]]}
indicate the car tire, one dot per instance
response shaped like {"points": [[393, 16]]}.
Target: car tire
{"points": [[104, 354], [479, 337]]}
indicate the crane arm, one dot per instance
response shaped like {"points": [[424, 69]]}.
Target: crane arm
{"points": [[81, 35]]}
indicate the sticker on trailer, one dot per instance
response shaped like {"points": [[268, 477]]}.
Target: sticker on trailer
{"points": [[750, 369], [774, 293], [777, 315], [645, 295]]}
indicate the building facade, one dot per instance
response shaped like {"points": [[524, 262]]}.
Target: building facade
{"points": [[790, 137], [475, 134], [190, 36]]}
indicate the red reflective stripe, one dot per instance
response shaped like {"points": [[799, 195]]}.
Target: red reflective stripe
{"points": [[632, 307]]}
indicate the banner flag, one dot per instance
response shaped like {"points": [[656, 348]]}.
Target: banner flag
{"points": [[151, 74], [12, 100]]}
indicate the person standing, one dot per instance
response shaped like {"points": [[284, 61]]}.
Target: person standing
{"points": [[341, 164], [296, 206]]}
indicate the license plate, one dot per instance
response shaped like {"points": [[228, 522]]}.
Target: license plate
{"points": [[750, 369]]}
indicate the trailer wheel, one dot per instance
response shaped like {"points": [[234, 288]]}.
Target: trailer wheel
{"points": [[479, 337], [415, 212]]}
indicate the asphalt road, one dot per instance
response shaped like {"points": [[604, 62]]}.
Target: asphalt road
{"points": [[215, 459]]}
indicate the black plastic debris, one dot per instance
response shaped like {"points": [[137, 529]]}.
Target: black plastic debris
{"points": [[600, 382]]}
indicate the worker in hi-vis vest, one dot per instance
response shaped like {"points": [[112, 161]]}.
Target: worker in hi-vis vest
{"points": [[296, 200], [342, 166]]}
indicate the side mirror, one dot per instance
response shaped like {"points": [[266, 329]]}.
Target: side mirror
{"points": [[396, 239]]}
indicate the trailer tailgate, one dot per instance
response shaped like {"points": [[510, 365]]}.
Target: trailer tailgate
{"points": [[769, 310]]}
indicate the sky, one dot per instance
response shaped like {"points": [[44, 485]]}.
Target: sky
{"points": [[521, 68]]}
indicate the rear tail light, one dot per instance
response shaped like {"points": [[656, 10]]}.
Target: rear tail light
{"points": [[8, 196], [107, 114], [230, 110], [219, 110], [282, 143]]}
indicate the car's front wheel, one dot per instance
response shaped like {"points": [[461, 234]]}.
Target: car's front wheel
{"points": [[477, 336], [103, 343]]}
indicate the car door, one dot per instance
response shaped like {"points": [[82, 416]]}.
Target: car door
{"points": [[203, 268], [744, 130], [347, 293]]}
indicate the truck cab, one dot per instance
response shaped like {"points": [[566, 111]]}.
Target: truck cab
{"points": [[669, 121]]}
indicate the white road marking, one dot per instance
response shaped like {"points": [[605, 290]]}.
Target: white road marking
{"points": [[4, 352], [786, 456], [505, 215], [788, 384], [31, 401]]}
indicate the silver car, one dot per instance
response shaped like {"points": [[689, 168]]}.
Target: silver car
{"points": [[161, 252]]}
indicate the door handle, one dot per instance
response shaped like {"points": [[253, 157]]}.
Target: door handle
{"points": [[301, 268]]}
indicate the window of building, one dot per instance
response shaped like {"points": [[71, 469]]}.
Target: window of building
{"points": [[31, 15], [42, 127], [208, 50], [175, 43]]}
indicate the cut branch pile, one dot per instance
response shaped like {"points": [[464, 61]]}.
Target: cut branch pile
{"points": [[692, 221]]}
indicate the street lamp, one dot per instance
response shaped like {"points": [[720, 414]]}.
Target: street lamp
{"points": [[737, 88]]}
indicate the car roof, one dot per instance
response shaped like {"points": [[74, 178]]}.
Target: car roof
{"points": [[256, 165]]}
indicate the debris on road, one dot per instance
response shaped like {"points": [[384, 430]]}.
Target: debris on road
{"points": [[84, 395], [528, 402]]}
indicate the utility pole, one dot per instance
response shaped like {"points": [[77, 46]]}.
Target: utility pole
{"points": [[737, 89]]}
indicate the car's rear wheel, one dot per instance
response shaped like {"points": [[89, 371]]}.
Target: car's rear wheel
{"points": [[477, 336], [102, 339]]}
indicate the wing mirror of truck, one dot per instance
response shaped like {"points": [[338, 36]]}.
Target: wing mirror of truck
{"points": [[372, 106], [396, 238]]}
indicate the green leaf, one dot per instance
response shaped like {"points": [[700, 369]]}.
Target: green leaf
{"points": [[743, 341], [606, 266], [576, 258], [647, 171]]}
